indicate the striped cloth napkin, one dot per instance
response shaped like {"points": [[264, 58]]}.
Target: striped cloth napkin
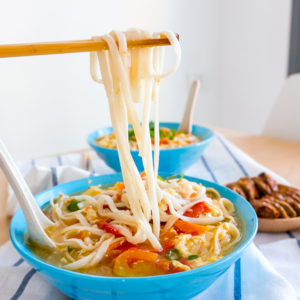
{"points": [[269, 269]]}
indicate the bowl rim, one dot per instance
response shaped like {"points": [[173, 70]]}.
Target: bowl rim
{"points": [[207, 140], [42, 265]]}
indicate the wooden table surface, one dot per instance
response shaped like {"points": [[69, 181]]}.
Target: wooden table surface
{"points": [[282, 157]]}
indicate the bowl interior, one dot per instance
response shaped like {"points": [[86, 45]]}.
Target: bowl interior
{"points": [[245, 213], [204, 133]]}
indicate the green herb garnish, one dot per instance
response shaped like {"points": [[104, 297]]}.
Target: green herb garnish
{"points": [[69, 249], [151, 125], [131, 135], [161, 133], [152, 134], [160, 178], [174, 176], [173, 254], [73, 206], [191, 257]]}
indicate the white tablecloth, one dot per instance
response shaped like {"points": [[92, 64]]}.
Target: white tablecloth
{"points": [[270, 269]]}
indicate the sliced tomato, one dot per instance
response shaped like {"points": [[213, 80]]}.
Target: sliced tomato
{"points": [[197, 210], [121, 246], [110, 257], [189, 228], [167, 245], [136, 263], [108, 228], [167, 240]]}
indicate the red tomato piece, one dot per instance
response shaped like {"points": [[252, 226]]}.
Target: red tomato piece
{"points": [[197, 210], [168, 209], [108, 228], [145, 263], [167, 245], [164, 141]]}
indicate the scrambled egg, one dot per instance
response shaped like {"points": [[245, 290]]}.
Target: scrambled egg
{"points": [[200, 262], [92, 191], [196, 245], [176, 264], [163, 205], [90, 214], [171, 191]]}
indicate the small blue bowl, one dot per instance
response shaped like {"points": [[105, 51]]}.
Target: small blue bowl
{"points": [[183, 285], [174, 161]]}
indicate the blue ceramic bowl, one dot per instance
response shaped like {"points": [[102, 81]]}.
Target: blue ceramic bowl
{"points": [[183, 285], [174, 161]]}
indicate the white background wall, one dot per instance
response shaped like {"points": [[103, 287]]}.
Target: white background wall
{"points": [[48, 104]]}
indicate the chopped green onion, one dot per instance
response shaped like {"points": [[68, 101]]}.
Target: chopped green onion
{"points": [[173, 254], [69, 249], [174, 176], [181, 132], [73, 206], [131, 135], [151, 125], [172, 134], [161, 133], [191, 257], [160, 178], [152, 134]]}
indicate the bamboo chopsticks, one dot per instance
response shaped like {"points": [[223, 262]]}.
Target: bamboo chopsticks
{"points": [[17, 50]]}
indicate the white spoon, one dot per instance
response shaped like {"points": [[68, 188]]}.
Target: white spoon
{"points": [[35, 218], [187, 120]]}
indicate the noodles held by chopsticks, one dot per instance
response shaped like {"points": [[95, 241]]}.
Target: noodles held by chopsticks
{"points": [[120, 79]]}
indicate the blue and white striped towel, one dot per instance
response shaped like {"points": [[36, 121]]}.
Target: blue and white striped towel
{"points": [[269, 270]]}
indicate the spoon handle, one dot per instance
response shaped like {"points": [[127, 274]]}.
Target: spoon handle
{"points": [[187, 120], [35, 218]]}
